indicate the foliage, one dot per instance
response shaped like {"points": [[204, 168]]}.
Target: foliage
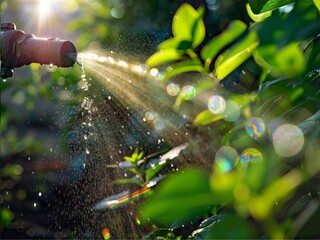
{"points": [[253, 191]]}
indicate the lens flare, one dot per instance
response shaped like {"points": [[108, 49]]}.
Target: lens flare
{"points": [[216, 104], [188, 92], [151, 115], [232, 111], [143, 69], [160, 76], [138, 220], [251, 155], [173, 89], [226, 158], [255, 127], [121, 199], [288, 140], [154, 72]]}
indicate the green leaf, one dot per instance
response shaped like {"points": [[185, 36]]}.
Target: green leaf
{"points": [[140, 155], [129, 159], [179, 44], [163, 56], [4, 85], [232, 58], [191, 65], [205, 118], [160, 234], [235, 29], [128, 181], [317, 4], [198, 32], [261, 6], [240, 229], [257, 17], [151, 172], [188, 25], [4, 117], [290, 60], [180, 198]]}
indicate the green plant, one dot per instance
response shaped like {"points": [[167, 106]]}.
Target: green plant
{"points": [[258, 187]]}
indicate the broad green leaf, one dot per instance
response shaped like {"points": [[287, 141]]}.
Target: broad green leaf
{"points": [[205, 227], [180, 198], [163, 56], [290, 60], [188, 25], [232, 227], [160, 234], [191, 65], [306, 225], [198, 32], [205, 118], [257, 17], [232, 58], [261, 6], [317, 4], [277, 191], [235, 29], [176, 43]]}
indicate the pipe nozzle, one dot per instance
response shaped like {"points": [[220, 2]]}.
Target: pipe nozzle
{"points": [[18, 48]]}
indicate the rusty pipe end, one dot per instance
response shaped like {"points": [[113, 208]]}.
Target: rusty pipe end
{"points": [[67, 49]]}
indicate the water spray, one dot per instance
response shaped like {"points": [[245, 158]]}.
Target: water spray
{"points": [[18, 48]]}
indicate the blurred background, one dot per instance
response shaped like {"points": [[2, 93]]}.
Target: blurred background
{"points": [[42, 160]]}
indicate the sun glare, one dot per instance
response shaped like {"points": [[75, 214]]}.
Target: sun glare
{"points": [[45, 8]]}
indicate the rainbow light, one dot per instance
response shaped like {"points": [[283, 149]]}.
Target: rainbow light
{"points": [[122, 200], [106, 233], [138, 220]]}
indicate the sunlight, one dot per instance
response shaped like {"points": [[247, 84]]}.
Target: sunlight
{"points": [[46, 8]]}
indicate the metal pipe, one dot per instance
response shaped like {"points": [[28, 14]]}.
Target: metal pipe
{"points": [[18, 48]]}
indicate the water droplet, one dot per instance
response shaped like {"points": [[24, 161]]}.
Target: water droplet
{"points": [[87, 151], [34, 205], [40, 194], [51, 65]]}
